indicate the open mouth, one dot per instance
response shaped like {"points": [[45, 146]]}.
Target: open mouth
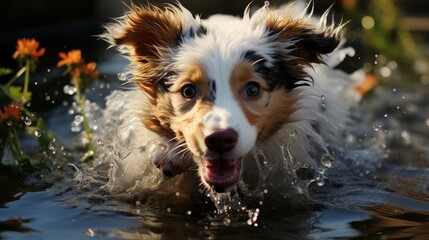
{"points": [[221, 173]]}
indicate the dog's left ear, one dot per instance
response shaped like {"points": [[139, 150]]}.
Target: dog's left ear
{"points": [[302, 39]]}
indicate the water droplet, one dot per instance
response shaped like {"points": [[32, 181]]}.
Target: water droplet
{"points": [[48, 70], [385, 72], [9, 123], [47, 98], [52, 145], [322, 97], [226, 221], [27, 121], [320, 181], [406, 137], [394, 89], [293, 133], [99, 141], [123, 77], [168, 210], [69, 90], [188, 212], [385, 115], [37, 133], [350, 138], [327, 160], [76, 124], [266, 4], [28, 104]]}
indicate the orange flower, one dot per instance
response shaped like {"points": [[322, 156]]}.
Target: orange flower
{"points": [[72, 57], [28, 48], [76, 65], [90, 70], [368, 84], [10, 112]]}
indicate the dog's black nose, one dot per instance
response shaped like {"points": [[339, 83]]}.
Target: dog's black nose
{"points": [[221, 140]]}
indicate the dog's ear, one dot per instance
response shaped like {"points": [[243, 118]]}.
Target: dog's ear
{"points": [[303, 40], [144, 30], [142, 34]]}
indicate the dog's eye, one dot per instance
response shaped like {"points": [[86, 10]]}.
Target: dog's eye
{"points": [[252, 89], [189, 91]]}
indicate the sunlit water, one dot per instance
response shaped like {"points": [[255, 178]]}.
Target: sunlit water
{"points": [[379, 188]]}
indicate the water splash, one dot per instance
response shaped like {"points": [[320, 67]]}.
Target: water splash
{"points": [[125, 76], [266, 4], [69, 90], [327, 160], [77, 123], [253, 217], [320, 180], [52, 145]]}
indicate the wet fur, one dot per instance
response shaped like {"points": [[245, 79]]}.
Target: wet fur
{"points": [[168, 48]]}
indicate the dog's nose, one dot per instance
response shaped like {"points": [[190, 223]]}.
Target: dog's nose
{"points": [[221, 140]]}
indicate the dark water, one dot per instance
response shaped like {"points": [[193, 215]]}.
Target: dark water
{"points": [[364, 196]]}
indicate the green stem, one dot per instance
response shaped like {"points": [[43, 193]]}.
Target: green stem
{"points": [[81, 98], [16, 76], [14, 144], [26, 81]]}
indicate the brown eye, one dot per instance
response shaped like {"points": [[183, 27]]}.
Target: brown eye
{"points": [[252, 89], [189, 91]]}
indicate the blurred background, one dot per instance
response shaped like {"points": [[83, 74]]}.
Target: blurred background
{"points": [[387, 34]]}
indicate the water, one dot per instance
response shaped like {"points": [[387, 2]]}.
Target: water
{"points": [[377, 189]]}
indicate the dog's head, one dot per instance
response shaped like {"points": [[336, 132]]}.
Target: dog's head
{"points": [[223, 85]]}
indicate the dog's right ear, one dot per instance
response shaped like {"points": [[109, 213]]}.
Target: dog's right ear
{"points": [[143, 30], [142, 34]]}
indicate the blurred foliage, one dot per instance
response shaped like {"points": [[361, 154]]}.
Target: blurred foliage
{"points": [[386, 45]]}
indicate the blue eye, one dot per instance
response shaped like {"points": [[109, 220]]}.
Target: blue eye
{"points": [[252, 89], [188, 91]]}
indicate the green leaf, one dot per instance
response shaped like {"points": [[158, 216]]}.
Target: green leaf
{"points": [[14, 92], [5, 71]]}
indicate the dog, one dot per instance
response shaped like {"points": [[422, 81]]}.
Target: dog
{"points": [[235, 101]]}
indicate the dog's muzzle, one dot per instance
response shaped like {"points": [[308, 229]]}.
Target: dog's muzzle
{"points": [[221, 172]]}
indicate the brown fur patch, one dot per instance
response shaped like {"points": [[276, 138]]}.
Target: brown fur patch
{"points": [[149, 27], [311, 41], [190, 112], [268, 111], [146, 33]]}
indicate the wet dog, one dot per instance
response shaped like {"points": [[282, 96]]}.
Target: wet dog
{"points": [[228, 96]]}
